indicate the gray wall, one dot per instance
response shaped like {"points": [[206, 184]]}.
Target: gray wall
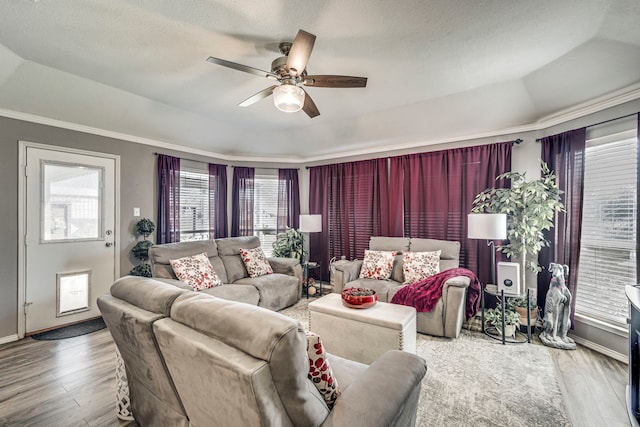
{"points": [[138, 190]]}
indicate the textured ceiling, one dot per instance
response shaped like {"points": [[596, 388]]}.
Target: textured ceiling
{"points": [[437, 69]]}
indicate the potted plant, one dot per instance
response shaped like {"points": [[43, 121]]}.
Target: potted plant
{"points": [[289, 244], [519, 305], [530, 207], [493, 316], [144, 228]]}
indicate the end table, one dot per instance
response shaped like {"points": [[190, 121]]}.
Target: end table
{"points": [[305, 285]]}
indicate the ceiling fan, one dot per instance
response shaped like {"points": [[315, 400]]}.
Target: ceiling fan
{"points": [[291, 74]]}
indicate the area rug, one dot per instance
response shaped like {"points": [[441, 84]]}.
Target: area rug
{"points": [[474, 380], [71, 331]]}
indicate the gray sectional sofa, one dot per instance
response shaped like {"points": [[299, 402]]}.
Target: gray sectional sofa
{"points": [[273, 291], [447, 317], [196, 360]]}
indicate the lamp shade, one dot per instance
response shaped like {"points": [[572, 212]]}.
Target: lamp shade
{"points": [[310, 223], [487, 226], [288, 98]]}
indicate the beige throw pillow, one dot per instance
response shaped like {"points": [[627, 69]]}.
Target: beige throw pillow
{"points": [[417, 266], [377, 264], [196, 271], [255, 262]]}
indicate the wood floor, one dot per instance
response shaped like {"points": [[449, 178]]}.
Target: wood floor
{"points": [[71, 383]]}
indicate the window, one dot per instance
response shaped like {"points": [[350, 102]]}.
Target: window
{"points": [[265, 209], [194, 201], [609, 222]]}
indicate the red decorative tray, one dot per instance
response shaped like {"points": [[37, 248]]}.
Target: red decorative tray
{"points": [[359, 297]]}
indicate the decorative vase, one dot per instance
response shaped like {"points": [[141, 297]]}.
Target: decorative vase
{"points": [[509, 330], [359, 297]]}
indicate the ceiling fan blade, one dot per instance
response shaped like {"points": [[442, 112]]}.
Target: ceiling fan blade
{"points": [[300, 52], [240, 67], [309, 106], [258, 96], [335, 81]]}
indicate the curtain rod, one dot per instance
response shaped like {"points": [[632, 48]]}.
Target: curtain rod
{"points": [[601, 123], [515, 141], [191, 160], [259, 167]]}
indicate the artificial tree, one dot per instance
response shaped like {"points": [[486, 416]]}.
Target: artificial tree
{"points": [[530, 207], [289, 244], [144, 228]]}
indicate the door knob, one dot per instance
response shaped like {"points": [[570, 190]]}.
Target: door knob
{"points": [[108, 244]]}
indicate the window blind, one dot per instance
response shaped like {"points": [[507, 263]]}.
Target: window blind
{"points": [[265, 211], [194, 205], [609, 226]]}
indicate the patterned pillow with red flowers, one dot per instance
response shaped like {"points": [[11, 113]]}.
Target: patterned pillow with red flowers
{"points": [[255, 262], [196, 271], [320, 372], [420, 265], [377, 264]]}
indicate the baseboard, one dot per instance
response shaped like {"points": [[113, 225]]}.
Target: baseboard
{"points": [[624, 358], [10, 338]]}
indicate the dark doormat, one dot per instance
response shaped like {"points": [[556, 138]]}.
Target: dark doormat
{"points": [[70, 331]]}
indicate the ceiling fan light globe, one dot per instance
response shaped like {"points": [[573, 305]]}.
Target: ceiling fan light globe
{"points": [[288, 98]]}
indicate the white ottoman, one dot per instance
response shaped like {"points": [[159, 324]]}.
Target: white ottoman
{"points": [[362, 334]]}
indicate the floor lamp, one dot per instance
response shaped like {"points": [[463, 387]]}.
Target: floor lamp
{"points": [[309, 224], [490, 227]]}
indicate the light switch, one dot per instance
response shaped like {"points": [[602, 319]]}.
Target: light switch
{"points": [[136, 211]]}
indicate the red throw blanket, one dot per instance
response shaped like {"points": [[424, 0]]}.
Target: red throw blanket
{"points": [[425, 294]]}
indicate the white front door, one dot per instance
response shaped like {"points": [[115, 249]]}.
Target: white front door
{"points": [[70, 251]]}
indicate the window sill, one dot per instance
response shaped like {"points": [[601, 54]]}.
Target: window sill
{"points": [[616, 329]]}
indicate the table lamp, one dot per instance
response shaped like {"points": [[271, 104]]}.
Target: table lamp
{"points": [[490, 227]]}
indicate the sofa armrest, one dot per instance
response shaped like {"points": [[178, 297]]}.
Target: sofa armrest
{"points": [[386, 394], [343, 272], [454, 299], [174, 282], [288, 266]]}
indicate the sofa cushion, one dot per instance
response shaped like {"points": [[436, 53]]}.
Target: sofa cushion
{"points": [[196, 271], [229, 251], [450, 251], [255, 262], [161, 255], [398, 244], [320, 372], [377, 264], [240, 293], [277, 291], [420, 265]]}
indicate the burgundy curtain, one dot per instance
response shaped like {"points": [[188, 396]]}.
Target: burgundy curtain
{"points": [[242, 202], [353, 199], [168, 228], [217, 201], [432, 193], [288, 200], [564, 154]]}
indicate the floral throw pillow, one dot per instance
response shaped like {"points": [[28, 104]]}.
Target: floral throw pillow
{"points": [[377, 264], [320, 372], [196, 271], [420, 265], [255, 262]]}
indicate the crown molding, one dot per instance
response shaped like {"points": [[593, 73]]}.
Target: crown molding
{"points": [[630, 93]]}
